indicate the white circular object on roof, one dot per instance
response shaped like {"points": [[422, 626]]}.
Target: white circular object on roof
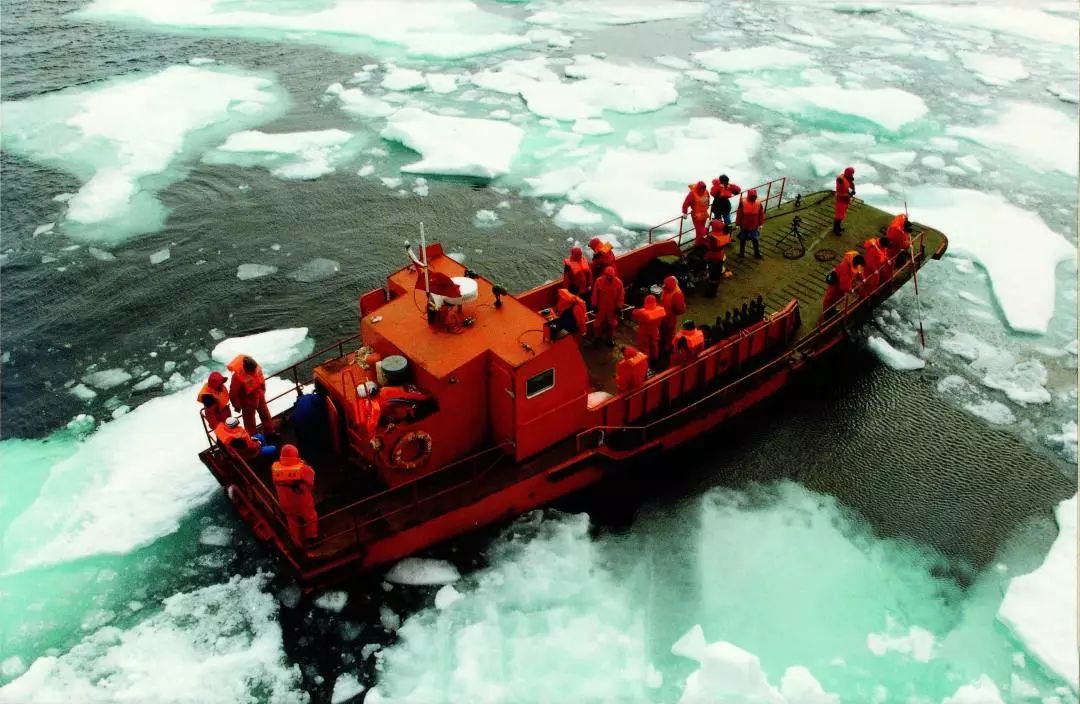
{"points": [[469, 290]]}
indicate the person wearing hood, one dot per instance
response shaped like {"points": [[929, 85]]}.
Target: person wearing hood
{"points": [[570, 314], [632, 369], [899, 236], [750, 218], [723, 190], [689, 343], [608, 296], [649, 317], [294, 481], [696, 205], [577, 274], [674, 303], [878, 268], [842, 280], [603, 256], [248, 392], [845, 191], [214, 398]]}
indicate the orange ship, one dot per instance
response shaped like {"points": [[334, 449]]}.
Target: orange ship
{"points": [[486, 413]]}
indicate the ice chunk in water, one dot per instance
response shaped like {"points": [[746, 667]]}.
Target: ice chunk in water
{"points": [[148, 383], [83, 392], [160, 256], [454, 145], [438, 28], [93, 133], [1049, 141], [217, 536], [403, 79], [753, 59], [107, 378], [916, 642], [316, 270], [993, 70], [346, 687], [985, 227], [729, 673], [891, 108], [422, 571], [222, 643], [570, 14], [355, 102], [572, 216], [332, 601], [446, 596], [101, 254], [44, 229], [245, 272], [992, 411], [12, 667], [1040, 607], [1006, 19], [486, 218], [1023, 383], [894, 358], [291, 155], [273, 349]]}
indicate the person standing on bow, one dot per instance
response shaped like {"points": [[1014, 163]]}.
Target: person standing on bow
{"points": [[696, 205], [247, 390], [723, 190], [845, 191], [750, 218]]}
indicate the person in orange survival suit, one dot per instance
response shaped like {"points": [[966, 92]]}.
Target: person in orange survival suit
{"points": [[294, 481], [249, 447], [215, 399], [603, 256], [248, 392], [569, 314], [842, 280], [716, 256], [631, 370], [649, 317], [577, 275], [845, 191], [750, 217], [722, 191], [608, 296], [689, 343], [674, 304], [878, 267], [368, 411], [696, 204], [899, 235]]}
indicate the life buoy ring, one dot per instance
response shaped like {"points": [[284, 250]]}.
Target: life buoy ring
{"points": [[411, 451]]}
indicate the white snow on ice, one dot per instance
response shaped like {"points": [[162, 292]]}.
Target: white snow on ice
{"points": [[1040, 607], [1043, 138], [997, 17], [894, 358], [570, 14], [422, 571], [891, 108], [93, 133], [288, 155], [355, 102], [216, 645], [993, 70], [273, 350], [756, 58], [461, 146]]}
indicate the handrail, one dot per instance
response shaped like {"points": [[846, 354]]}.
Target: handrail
{"points": [[768, 185], [823, 325]]}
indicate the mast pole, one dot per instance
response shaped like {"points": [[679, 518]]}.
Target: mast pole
{"points": [[915, 280], [423, 251]]}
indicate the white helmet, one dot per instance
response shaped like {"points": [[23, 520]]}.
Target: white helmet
{"points": [[368, 388], [232, 422]]}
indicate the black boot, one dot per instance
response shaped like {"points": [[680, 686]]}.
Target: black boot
{"points": [[742, 247], [757, 250], [836, 227]]}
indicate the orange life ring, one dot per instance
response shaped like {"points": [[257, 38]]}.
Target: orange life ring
{"points": [[422, 443]]}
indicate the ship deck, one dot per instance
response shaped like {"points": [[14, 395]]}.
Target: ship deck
{"points": [[787, 270]]}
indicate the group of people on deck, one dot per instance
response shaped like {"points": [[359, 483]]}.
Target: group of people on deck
{"points": [[294, 479], [865, 272]]}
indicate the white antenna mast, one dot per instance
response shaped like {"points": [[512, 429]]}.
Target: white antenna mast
{"points": [[423, 251]]}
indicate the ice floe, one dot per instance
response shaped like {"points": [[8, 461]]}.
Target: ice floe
{"points": [[1023, 382], [1043, 138], [219, 644], [572, 216], [994, 412], [1040, 607], [421, 571], [355, 102], [246, 272], [273, 350], [93, 133], [894, 358], [890, 108], [435, 28], [569, 14], [454, 145], [315, 270], [916, 643], [107, 378], [756, 58], [397, 78], [981, 691], [289, 155], [998, 17], [332, 601], [985, 227], [346, 687], [993, 70]]}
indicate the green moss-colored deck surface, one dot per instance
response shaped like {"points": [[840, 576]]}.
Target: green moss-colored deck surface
{"points": [[775, 277]]}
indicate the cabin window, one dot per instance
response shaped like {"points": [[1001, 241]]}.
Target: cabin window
{"points": [[536, 385]]}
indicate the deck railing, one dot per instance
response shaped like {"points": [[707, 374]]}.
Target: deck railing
{"points": [[774, 191]]}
